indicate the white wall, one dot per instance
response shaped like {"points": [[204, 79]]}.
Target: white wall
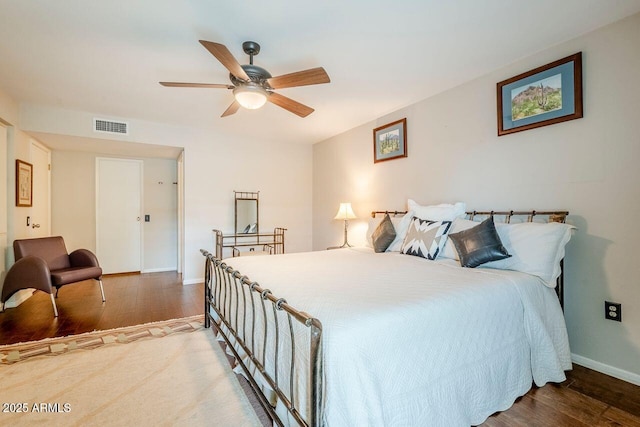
{"points": [[17, 147], [73, 201], [215, 165], [587, 166], [4, 201], [161, 204]]}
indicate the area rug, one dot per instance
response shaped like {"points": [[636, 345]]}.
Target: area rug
{"points": [[165, 373]]}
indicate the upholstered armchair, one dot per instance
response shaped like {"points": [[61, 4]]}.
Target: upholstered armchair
{"points": [[44, 264]]}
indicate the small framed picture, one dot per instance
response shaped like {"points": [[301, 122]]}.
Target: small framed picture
{"points": [[390, 141], [24, 183], [543, 96]]}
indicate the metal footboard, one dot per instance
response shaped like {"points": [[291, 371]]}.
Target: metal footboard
{"points": [[272, 334]]}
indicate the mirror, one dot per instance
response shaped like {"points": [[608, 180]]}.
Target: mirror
{"points": [[246, 212]]}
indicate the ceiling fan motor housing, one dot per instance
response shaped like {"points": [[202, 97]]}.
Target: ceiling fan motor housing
{"points": [[256, 74]]}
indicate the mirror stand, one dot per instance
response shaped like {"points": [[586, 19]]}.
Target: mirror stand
{"points": [[246, 234]]}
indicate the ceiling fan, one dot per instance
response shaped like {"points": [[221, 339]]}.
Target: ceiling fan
{"points": [[252, 85]]}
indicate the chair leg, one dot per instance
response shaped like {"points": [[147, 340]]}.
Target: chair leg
{"points": [[55, 308], [101, 290]]}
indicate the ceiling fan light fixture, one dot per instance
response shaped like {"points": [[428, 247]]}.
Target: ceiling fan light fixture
{"points": [[251, 96]]}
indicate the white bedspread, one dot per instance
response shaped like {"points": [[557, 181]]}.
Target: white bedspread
{"points": [[412, 342]]}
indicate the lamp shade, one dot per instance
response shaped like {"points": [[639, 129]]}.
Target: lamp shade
{"points": [[345, 212], [250, 96]]}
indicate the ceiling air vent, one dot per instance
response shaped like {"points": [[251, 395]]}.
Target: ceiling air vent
{"points": [[109, 126]]}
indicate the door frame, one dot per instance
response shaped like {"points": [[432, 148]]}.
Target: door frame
{"points": [[39, 146], [140, 214], [180, 162]]}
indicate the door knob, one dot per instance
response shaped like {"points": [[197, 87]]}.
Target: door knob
{"points": [[35, 226]]}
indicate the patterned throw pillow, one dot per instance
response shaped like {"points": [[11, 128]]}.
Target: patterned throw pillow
{"points": [[425, 238], [383, 235]]}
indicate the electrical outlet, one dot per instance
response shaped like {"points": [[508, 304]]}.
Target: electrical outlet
{"points": [[613, 311]]}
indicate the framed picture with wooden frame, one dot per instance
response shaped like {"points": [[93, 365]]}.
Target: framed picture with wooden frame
{"points": [[390, 141], [543, 96], [24, 183]]}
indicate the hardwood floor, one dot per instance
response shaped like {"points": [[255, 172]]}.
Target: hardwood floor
{"points": [[131, 299], [586, 398]]}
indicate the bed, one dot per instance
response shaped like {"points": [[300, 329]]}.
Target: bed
{"points": [[391, 339]]}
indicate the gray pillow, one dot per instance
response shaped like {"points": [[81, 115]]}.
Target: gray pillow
{"points": [[383, 235], [479, 244]]}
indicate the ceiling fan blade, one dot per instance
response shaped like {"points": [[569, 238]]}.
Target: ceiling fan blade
{"points": [[231, 109], [225, 57], [312, 76], [290, 105], [205, 85]]}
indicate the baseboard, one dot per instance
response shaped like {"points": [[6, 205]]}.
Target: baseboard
{"points": [[621, 374], [18, 298], [193, 281], [159, 270]]}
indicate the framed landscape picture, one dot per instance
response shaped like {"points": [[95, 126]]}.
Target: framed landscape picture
{"points": [[541, 97], [24, 183], [390, 141]]}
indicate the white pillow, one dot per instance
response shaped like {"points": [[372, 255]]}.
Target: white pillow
{"points": [[535, 248], [401, 231], [442, 212], [371, 227], [373, 224]]}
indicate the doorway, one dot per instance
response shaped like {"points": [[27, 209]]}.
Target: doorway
{"points": [[118, 212]]}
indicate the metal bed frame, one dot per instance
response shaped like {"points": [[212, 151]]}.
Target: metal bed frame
{"points": [[232, 297], [233, 304]]}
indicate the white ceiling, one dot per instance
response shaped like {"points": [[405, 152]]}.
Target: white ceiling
{"points": [[107, 57]]}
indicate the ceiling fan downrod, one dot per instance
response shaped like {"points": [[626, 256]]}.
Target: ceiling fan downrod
{"points": [[251, 49]]}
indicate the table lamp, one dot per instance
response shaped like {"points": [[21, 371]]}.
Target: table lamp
{"points": [[345, 212]]}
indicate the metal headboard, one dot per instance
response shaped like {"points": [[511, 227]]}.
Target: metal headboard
{"points": [[552, 216]]}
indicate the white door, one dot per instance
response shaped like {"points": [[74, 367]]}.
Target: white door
{"points": [[118, 212], [41, 199]]}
